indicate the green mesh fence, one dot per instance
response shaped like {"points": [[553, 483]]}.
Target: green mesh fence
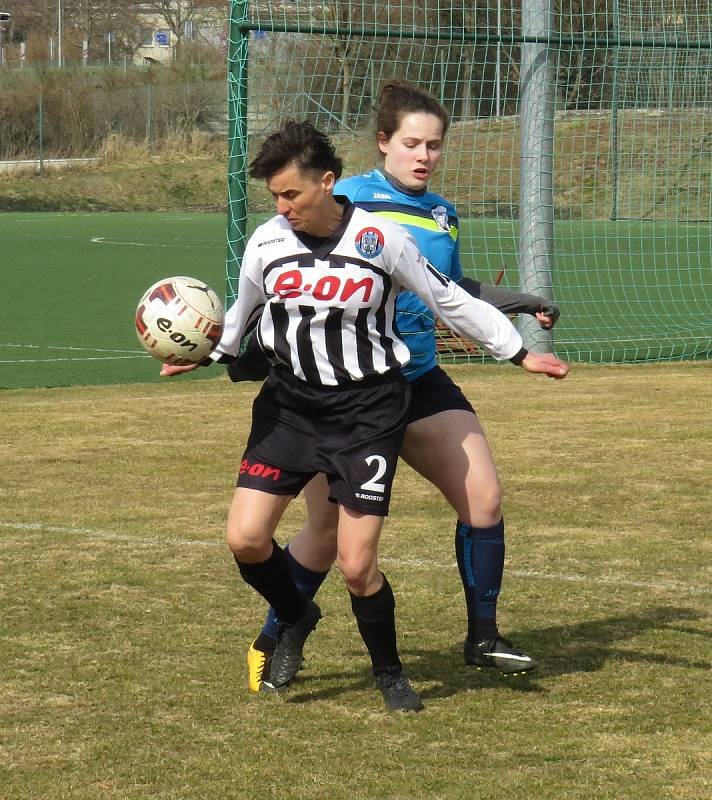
{"points": [[631, 257]]}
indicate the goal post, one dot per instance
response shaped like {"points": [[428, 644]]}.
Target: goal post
{"points": [[617, 173]]}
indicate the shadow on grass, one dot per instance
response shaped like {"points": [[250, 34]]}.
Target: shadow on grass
{"points": [[559, 649]]}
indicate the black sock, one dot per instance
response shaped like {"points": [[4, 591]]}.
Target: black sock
{"points": [[265, 643], [376, 619], [273, 580], [307, 581]]}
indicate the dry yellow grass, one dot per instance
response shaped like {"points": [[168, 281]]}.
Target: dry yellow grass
{"points": [[125, 624]]}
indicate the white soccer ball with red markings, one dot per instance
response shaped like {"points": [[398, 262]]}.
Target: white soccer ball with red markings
{"points": [[179, 320]]}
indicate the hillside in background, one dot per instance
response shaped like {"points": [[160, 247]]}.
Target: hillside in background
{"points": [[661, 168], [191, 183]]}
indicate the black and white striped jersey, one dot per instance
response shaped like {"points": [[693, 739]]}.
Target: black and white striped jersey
{"points": [[325, 308]]}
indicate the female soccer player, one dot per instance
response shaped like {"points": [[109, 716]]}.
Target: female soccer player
{"points": [[444, 441], [319, 282]]}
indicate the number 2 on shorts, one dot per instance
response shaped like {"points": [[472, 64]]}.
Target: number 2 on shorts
{"points": [[372, 484]]}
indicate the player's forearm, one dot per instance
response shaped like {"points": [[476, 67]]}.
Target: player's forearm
{"points": [[481, 322], [239, 318], [251, 365], [507, 301], [468, 317], [474, 319]]}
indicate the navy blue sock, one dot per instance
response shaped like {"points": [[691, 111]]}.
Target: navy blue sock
{"points": [[308, 582], [480, 558]]}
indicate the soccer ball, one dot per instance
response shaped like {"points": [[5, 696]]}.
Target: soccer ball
{"points": [[179, 320]]}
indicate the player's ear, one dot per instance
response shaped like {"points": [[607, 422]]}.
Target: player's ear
{"points": [[382, 142], [328, 180]]}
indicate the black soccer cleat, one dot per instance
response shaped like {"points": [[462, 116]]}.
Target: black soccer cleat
{"points": [[397, 692], [287, 657], [500, 654]]}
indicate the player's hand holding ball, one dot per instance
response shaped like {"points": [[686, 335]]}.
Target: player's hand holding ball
{"points": [[179, 321], [169, 370]]}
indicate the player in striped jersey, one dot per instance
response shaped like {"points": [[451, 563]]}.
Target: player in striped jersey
{"points": [[320, 281], [444, 441]]}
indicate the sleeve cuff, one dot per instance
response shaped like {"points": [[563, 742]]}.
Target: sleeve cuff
{"points": [[517, 358]]}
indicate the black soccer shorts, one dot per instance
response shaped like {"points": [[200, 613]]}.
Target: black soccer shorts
{"points": [[352, 434], [434, 392]]}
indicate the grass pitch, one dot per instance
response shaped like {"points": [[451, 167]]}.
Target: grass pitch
{"points": [[125, 624], [71, 283]]}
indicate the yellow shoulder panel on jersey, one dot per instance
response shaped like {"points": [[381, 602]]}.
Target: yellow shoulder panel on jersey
{"points": [[412, 219]]}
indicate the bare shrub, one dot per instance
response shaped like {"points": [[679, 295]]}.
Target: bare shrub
{"points": [[87, 113]]}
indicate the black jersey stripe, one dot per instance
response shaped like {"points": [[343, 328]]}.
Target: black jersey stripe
{"points": [[385, 339], [364, 348], [438, 275], [305, 347], [280, 324], [335, 345]]}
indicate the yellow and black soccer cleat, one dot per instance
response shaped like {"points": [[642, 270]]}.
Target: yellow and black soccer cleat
{"points": [[258, 664]]}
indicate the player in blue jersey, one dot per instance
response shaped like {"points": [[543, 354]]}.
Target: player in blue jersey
{"points": [[444, 441]]}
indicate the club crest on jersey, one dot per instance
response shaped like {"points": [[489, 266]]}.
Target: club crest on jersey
{"points": [[440, 216], [369, 242]]}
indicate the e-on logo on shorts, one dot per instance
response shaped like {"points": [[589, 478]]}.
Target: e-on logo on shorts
{"points": [[258, 470], [369, 242]]}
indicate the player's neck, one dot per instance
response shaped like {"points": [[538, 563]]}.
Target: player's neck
{"points": [[329, 220], [401, 186]]}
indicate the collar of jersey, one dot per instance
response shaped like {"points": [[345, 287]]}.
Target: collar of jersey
{"points": [[321, 246], [401, 186]]}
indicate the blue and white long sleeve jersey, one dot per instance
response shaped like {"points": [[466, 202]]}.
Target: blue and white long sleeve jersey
{"points": [[325, 308], [432, 221]]}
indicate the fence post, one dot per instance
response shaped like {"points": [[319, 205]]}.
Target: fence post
{"points": [[149, 113], [613, 156], [237, 148], [41, 136], [537, 91]]}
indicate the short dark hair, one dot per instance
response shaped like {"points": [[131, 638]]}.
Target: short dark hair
{"points": [[398, 98], [299, 143]]}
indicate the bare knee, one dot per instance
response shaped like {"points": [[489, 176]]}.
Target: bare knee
{"points": [[251, 523], [491, 501], [358, 572], [249, 541], [482, 508]]}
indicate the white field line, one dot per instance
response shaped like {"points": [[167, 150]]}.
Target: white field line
{"points": [[131, 354], [68, 347], [179, 245], [162, 541], [76, 358]]}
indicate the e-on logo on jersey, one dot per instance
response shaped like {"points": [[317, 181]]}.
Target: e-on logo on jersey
{"points": [[369, 242]]}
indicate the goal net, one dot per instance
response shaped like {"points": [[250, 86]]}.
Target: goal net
{"points": [[631, 254]]}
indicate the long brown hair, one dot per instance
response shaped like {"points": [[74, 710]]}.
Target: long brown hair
{"points": [[398, 98]]}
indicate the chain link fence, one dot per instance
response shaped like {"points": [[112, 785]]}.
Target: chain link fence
{"points": [[70, 114]]}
